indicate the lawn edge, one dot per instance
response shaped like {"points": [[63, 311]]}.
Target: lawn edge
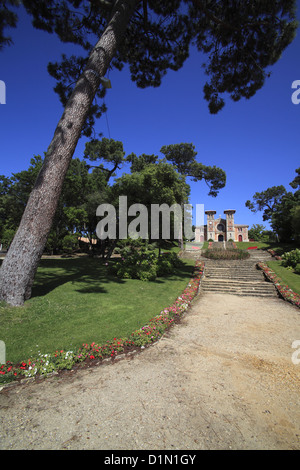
{"points": [[282, 288]]}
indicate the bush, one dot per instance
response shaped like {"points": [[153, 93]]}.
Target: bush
{"points": [[226, 254], [291, 258], [166, 263], [70, 243], [297, 268], [144, 264], [7, 237]]}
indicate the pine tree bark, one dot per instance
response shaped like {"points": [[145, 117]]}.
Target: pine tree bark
{"points": [[20, 264]]}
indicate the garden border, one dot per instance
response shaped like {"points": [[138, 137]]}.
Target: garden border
{"points": [[283, 290]]}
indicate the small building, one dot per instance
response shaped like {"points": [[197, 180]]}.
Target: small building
{"points": [[221, 229]]}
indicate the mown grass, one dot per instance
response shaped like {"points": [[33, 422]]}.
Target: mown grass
{"points": [[279, 248], [77, 301], [288, 276]]}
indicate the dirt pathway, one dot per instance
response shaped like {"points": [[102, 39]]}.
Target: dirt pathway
{"points": [[222, 379]]}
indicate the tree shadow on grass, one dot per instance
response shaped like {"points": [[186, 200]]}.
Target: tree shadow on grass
{"points": [[91, 272], [53, 273]]}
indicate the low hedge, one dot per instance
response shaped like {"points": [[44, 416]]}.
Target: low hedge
{"points": [[226, 254]]}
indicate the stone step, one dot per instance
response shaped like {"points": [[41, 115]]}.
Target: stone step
{"points": [[236, 277], [267, 288], [237, 272], [234, 272], [237, 262], [250, 282], [242, 293], [231, 285], [243, 287]]}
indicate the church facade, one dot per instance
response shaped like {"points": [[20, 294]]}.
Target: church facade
{"points": [[221, 229]]}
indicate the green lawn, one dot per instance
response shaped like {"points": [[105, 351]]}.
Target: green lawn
{"points": [[245, 245], [287, 276], [77, 300], [279, 248]]}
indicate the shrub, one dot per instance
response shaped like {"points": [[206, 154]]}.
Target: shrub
{"points": [[7, 237], [167, 262], [144, 264], [297, 268], [226, 254], [291, 258], [70, 243]]}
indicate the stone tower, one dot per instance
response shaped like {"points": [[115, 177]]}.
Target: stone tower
{"points": [[230, 230], [210, 224]]}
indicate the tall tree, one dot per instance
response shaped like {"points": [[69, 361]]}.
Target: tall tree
{"points": [[157, 183], [138, 163], [183, 156], [295, 184], [256, 231], [8, 19], [109, 150], [267, 201], [281, 208], [241, 39], [19, 266]]}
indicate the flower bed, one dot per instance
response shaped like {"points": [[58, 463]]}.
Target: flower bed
{"points": [[229, 254], [274, 254], [89, 353], [284, 290]]}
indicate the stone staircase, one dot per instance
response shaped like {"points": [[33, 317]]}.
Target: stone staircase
{"points": [[238, 277]]}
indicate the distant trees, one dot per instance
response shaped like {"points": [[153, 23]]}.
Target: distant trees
{"points": [[281, 208], [256, 231], [89, 183], [74, 216], [259, 233]]}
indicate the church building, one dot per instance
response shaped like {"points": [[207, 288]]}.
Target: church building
{"points": [[221, 229]]}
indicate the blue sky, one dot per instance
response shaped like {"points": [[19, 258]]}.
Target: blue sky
{"points": [[255, 141]]}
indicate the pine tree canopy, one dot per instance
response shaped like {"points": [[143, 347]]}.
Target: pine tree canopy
{"points": [[237, 40]]}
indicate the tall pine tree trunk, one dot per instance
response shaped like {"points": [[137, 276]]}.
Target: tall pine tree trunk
{"points": [[21, 262]]}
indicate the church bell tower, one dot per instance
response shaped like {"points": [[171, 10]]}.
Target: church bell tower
{"points": [[229, 224]]}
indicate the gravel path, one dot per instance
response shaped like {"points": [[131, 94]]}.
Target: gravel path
{"points": [[222, 379]]}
